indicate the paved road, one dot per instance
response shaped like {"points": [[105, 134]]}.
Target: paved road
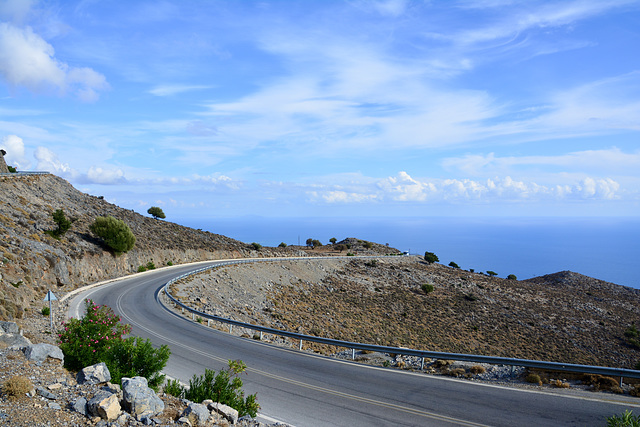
{"points": [[309, 390]]}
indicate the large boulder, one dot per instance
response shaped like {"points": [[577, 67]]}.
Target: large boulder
{"points": [[15, 341], [104, 405], [9, 327], [79, 405], [139, 399], [196, 413], [94, 374], [10, 335], [226, 411], [40, 352]]}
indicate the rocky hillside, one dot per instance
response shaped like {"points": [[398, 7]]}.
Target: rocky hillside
{"points": [[31, 261], [562, 317]]}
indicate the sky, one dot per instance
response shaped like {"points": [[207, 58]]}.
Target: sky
{"points": [[358, 108]]}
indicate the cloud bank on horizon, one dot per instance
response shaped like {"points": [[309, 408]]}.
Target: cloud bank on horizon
{"points": [[354, 107]]}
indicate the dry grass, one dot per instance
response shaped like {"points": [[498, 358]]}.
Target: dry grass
{"points": [[560, 384], [16, 387], [477, 369]]}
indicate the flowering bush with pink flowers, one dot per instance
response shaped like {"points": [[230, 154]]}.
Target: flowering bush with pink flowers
{"points": [[86, 341], [98, 337]]}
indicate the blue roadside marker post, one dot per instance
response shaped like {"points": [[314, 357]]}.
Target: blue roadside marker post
{"points": [[50, 297]]}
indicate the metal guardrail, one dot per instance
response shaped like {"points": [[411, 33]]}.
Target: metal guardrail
{"points": [[475, 358], [24, 173]]}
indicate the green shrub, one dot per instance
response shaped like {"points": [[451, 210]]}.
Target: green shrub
{"points": [[115, 233], [169, 263], [533, 379], [63, 225], [173, 388], [512, 277], [333, 240], [150, 265], [368, 245], [45, 311], [454, 265], [142, 268], [492, 273], [98, 337], [427, 288], [350, 254], [85, 341], [633, 336], [12, 169], [135, 356], [430, 257], [625, 420], [256, 246], [224, 387], [282, 245]]}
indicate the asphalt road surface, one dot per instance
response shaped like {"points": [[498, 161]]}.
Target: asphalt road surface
{"points": [[304, 389]]}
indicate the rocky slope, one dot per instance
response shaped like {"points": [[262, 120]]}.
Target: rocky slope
{"points": [[32, 262], [563, 317]]}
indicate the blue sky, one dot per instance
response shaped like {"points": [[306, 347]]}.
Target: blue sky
{"points": [[329, 108]]}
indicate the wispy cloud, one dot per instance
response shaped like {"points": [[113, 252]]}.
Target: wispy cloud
{"points": [[171, 90]]}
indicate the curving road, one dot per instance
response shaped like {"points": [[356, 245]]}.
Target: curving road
{"points": [[303, 389]]}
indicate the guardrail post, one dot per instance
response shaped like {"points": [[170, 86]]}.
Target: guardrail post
{"points": [[353, 354], [422, 364], [230, 328], [300, 345], [193, 316], [260, 335], [208, 322]]}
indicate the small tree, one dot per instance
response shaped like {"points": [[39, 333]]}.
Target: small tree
{"points": [[12, 169], [282, 245], [115, 233], [454, 265], [492, 273], [156, 212], [430, 257], [427, 288], [62, 222], [512, 277], [257, 246], [316, 243], [333, 240], [309, 242]]}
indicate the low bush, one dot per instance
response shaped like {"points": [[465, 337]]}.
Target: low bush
{"points": [[427, 288], [560, 384], [173, 388], [224, 387], [512, 277], [115, 233], [17, 386], [142, 268], [477, 369], [625, 420], [135, 356], [98, 337], [45, 311], [256, 246], [150, 265], [533, 379], [282, 245], [63, 225]]}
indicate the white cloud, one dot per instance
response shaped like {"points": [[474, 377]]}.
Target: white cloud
{"points": [[405, 189], [170, 90], [15, 10], [14, 146], [48, 161], [98, 175], [605, 161], [27, 60]]}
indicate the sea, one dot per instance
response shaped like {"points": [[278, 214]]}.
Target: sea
{"points": [[606, 248]]}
